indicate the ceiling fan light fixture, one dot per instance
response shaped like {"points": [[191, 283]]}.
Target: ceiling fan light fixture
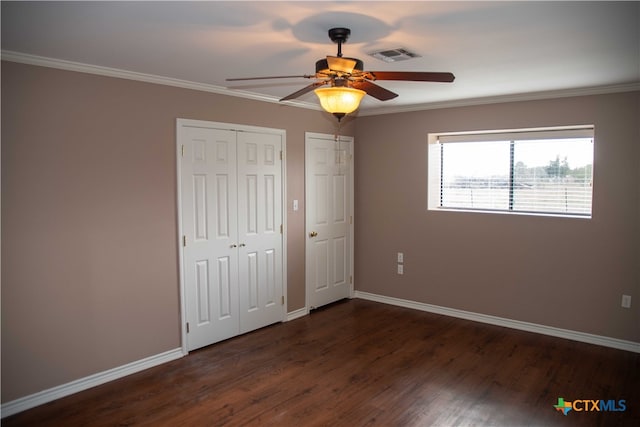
{"points": [[341, 72], [339, 100]]}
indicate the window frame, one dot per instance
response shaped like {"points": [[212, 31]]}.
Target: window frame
{"points": [[435, 166]]}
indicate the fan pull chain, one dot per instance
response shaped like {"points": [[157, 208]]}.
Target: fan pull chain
{"points": [[336, 138]]}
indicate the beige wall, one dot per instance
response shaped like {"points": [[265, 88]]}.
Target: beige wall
{"points": [[560, 272], [89, 246]]}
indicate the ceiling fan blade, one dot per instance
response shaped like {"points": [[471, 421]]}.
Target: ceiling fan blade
{"points": [[306, 76], [414, 76], [344, 65], [374, 90], [303, 90]]}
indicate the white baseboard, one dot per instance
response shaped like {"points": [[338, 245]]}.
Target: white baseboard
{"points": [[509, 323], [45, 396], [301, 312]]}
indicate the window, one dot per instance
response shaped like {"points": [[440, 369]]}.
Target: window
{"points": [[545, 171]]}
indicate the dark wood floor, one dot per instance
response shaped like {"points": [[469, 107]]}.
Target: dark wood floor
{"points": [[360, 363]]}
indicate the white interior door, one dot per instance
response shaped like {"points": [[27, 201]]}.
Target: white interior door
{"points": [[329, 218], [259, 229], [209, 225]]}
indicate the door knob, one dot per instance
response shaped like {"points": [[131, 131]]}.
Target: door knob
{"points": [[233, 246], [313, 234], [241, 245]]}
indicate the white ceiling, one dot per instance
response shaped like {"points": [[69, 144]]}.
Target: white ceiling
{"points": [[495, 49]]}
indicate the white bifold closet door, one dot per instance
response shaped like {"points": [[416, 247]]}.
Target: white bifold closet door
{"points": [[231, 189]]}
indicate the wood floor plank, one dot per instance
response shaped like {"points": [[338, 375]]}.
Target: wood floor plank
{"points": [[361, 363]]}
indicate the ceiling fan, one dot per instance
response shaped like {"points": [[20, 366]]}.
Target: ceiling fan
{"points": [[348, 81]]}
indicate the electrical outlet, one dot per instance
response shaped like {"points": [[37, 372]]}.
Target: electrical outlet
{"points": [[400, 269], [626, 301], [400, 257]]}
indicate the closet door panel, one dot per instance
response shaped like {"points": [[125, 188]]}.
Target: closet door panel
{"points": [[209, 218], [259, 229]]}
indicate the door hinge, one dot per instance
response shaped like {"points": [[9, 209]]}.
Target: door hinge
{"points": [[184, 241], [282, 299], [351, 219], [187, 327], [182, 150], [351, 280], [281, 155], [280, 228]]}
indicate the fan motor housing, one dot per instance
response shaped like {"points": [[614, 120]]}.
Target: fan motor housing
{"points": [[322, 66]]}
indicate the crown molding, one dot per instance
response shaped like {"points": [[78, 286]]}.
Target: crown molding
{"points": [[62, 64], [529, 96]]}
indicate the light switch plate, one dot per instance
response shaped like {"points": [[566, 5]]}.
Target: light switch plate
{"points": [[626, 301]]}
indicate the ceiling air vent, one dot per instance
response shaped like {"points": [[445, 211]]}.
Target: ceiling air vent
{"points": [[394, 55]]}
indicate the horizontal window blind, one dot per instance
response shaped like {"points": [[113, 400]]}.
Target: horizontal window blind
{"points": [[549, 171], [519, 135]]}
